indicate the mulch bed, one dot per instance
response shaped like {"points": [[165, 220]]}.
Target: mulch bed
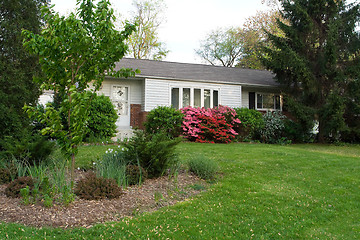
{"points": [[86, 213]]}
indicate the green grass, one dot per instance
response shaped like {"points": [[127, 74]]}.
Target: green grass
{"points": [[264, 192]]}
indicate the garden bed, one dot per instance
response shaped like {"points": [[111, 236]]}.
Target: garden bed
{"points": [[150, 196]]}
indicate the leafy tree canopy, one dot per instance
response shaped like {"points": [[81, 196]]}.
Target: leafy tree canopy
{"points": [[144, 43], [222, 47], [75, 52]]}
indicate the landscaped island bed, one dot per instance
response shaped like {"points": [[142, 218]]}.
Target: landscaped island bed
{"points": [[262, 192]]}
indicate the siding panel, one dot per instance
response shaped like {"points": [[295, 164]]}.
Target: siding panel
{"points": [[231, 95]]}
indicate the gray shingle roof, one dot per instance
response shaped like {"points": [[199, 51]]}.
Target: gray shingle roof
{"points": [[198, 72]]}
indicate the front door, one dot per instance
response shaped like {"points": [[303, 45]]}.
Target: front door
{"points": [[120, 99]]}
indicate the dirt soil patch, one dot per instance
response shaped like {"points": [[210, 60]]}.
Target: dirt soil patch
{"points": [[152, 195]]}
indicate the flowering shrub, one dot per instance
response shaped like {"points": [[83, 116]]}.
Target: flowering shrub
{"points": [[213, 125]]}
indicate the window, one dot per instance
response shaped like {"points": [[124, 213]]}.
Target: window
{"points": [[186, 97], [268, 101], [196, 97], [207, 98], [175, 98], [215, 98]]}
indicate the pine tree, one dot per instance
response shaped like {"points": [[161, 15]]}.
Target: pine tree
{"points": [[17, 66], [318, 61]]}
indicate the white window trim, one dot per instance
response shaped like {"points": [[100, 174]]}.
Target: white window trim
{"points": [[192, 95], [268, 109]]}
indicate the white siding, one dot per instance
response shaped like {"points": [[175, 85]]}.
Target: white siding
{"points": [[231, 95], [157, 92], [136, 88], [245, 98]]}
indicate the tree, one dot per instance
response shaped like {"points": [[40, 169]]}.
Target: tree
{"points": [[222, 47], [75, 51], [318, 60], [144, 43], [255, 37], [17, 66]]}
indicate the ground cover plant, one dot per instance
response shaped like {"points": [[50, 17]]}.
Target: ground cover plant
{"points": [[263, 192]]}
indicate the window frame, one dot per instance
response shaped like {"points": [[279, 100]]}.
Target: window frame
{"points": [[274, 95], [192, 95]]}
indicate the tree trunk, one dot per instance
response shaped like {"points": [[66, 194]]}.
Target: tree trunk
{"points": [[72, 170], [321, 136]]}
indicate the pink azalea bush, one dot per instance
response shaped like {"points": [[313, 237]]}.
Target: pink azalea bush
{"points": [[212, 125]]}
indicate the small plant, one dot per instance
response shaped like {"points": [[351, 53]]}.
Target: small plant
{"points": [[48, 201], [13, 189], [25, 194], [158, 197], [203, 167], [67, 196], [94, 188], [198, 187], [135, 174], [165, 119]]}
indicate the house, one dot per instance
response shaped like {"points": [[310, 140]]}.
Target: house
{"points": [[181, 84]]}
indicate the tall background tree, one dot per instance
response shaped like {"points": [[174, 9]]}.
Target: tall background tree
{"points": [[255, 37], [144, 43], [241, 46], [318, 62], [17, 66], [222, 47]]}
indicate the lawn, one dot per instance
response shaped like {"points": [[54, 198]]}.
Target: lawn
{"points": [[262, 192]]}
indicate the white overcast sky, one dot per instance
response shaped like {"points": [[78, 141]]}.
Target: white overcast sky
{"points": [[187, 21]]}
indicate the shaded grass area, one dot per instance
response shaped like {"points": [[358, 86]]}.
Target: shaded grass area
{"points": [[263, 192]]}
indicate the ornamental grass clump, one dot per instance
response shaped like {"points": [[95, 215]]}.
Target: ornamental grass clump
{"points": [[203, 167], [212, 125]]}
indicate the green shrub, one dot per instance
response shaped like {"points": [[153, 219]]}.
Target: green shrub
{"points": [[203, 167], [94, 188], [165, 119], [33, 147], [251, 121], [272, 132], [13, 189], [101, 124], [154, 152], [135, 174]]}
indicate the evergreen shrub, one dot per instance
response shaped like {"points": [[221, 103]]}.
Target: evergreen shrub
{"points": [[154, 152]]}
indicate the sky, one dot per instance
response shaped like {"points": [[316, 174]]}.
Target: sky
{"points": [[186, 22]]}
